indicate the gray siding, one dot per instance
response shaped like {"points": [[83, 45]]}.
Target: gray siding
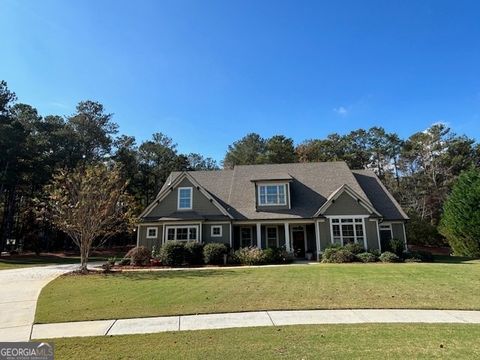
{"points": [[325, 239], [346, 205], [371, 228], [149, 243], [200, 203], [397, 231], [207, 234]]}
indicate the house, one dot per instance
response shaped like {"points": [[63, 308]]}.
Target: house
{"points": [[303, 207]]}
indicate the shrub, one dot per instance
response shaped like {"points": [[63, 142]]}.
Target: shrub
{"points": [[112, 260], [413, 260], [375, 252], [139, 255], [251, 256], [421, 256], [460, 222], [213, 253], [397, 246], [329, 252], [424, 255], [340, 255], [389, 257], [173, 253], [354, 248], [367, 257], [194, 253], [124, 261], [275, 255]]}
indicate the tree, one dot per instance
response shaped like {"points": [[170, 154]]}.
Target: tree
{"points": [[198, 162], [90, 205], [247, 151], [279, 150], [460, 222]]}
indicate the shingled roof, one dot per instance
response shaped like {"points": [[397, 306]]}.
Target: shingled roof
{"points": [[311, 184]]}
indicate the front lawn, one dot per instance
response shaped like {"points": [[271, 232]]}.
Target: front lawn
{"points": [[322, 286], [367, 341]]}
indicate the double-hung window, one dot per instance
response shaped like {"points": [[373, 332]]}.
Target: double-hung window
{"points": [[182, 233], [272, 194], [347, 230], [245, 237], [185, 198], [272, 236]]}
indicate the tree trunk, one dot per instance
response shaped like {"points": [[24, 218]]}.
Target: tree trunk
{"points": [[84, 250], [8, 217]]}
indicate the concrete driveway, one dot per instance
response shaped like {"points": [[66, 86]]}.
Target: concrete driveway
{"points": [[19, 291]]}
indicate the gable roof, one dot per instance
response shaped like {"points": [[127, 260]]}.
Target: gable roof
{"points": [[311, 186], [346, 189], [380, 197]]}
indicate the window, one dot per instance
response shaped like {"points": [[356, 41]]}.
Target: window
{"points": [[216, 231], [152, 232], [245, 237], [347, 230], [185, 198], [386, 233], [270, 195], [182, 233], [272, 236]]}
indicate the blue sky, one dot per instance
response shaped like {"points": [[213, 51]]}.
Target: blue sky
{"points": [[207, 72]]}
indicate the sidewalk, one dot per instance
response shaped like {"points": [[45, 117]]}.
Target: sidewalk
{"points": [[249, 319]]}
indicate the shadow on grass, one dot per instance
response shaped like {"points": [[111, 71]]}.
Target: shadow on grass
{"points": [[182, 274], [445, 259], [43, 260]]}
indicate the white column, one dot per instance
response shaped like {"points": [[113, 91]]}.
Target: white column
{"points": [[259, 235], [287, 237], [317, 238]]}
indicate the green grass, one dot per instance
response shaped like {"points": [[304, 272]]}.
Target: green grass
{"points": [[322, 286], [369, 341], [16, 262]]}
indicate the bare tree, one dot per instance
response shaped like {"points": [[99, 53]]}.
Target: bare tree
{"points": [[89, 204]]}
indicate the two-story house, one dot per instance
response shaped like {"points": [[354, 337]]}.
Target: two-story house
{"points": [[303, 207]]}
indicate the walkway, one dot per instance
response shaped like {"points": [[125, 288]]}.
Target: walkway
{"points": [[249, 319], [19, 291]]}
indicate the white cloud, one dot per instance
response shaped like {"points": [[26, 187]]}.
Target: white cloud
{"points": [[341, 110]]}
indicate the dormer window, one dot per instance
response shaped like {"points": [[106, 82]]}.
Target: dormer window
{"points": [[272, 194], [185, 198]]}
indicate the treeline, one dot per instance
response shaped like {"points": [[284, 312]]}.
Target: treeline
{"points": [[418, 170], [34, 147]]}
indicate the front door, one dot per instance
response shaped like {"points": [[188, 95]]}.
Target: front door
{"points": [[298, 241]]}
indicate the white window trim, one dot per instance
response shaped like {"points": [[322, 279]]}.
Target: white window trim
{"points": [[287, 197], [175, 227], [353, 217], [276, 239], [216, 227], [191, 197], [241, 237], [156, 232], [389, 225]]}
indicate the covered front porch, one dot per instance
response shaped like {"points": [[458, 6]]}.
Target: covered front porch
{"points": [[298, 238]]}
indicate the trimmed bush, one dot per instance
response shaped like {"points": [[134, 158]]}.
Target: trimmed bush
{"points": [[397, 246], [251, 256], [354, 248], [375, 252], [338, 255], [139, 255], [173, 253], [213, 253], [275, 255], [389, 257], [328, 253], [194, 253], [367, 257]]}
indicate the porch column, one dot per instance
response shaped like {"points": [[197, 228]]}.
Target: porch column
{"points": [[287, 237], [259, 235], [317, 238]]}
